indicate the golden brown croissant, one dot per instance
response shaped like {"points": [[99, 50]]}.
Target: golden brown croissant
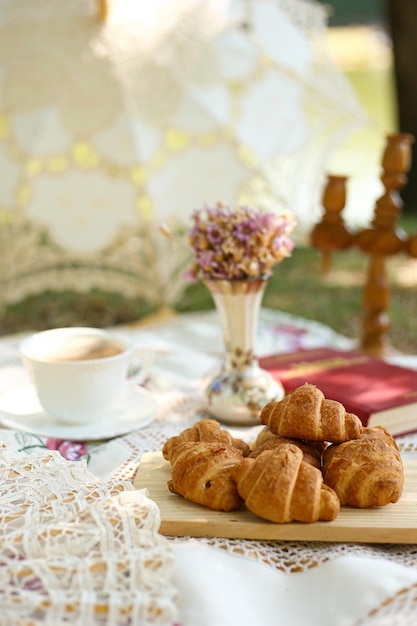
{"points": [[202, 472], [280, 487], [365, 472], [268, 441], [307, 414], [204, 430]]}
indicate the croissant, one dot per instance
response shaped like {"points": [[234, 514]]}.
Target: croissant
{"points": [[280, 487], [202, 472], [204, 430], [268, 441], [307, 414], [365, 472]]}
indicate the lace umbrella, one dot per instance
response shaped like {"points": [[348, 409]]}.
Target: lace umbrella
{"points": [[110, 126]]}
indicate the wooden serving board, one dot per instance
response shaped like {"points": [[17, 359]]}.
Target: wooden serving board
{"points": [[395, 523]]}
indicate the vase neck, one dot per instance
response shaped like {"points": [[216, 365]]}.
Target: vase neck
{"points": [[238, 305]]}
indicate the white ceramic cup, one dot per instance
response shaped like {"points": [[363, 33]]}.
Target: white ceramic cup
{"points": [[80, 373]]}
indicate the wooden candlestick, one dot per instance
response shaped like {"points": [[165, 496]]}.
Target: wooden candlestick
{"points": [[331, 233], [382, 239]]}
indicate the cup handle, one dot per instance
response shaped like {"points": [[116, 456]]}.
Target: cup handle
{"points": [[137, 375]]}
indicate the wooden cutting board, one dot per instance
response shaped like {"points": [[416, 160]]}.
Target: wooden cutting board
{"points": [[395, 523]]}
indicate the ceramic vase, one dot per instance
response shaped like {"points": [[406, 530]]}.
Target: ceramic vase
{"points": [[238, 392]]}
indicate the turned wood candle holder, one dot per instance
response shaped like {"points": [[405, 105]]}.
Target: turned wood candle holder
{"points": [[382, 239]]}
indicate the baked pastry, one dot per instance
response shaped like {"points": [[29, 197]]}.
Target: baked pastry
{"points": [[307, 414], [280, 487], [365, 472], [202, 472], [204, 430], [268, 441]]}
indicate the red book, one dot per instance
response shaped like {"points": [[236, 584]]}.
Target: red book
{"points": [[378, 392]]}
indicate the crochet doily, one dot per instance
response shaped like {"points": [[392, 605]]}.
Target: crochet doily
{"points": [[74, 550]]}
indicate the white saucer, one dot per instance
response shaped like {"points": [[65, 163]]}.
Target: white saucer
{"points": [[20, 410]]}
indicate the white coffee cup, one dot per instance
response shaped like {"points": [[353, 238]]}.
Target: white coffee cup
{"points": [[80, 373]]}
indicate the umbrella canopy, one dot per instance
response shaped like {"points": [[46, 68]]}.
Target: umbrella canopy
{"points": [[110, 126]]}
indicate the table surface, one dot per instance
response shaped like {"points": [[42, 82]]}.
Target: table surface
{"points": [[188, 350]]}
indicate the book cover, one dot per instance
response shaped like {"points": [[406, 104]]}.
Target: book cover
{"points": [[378, 392]]}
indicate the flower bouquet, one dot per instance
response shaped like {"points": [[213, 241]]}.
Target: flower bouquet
{"points": [[238, 244]]}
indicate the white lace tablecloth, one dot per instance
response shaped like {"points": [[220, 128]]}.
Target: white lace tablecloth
{"points": [[342, 584]]}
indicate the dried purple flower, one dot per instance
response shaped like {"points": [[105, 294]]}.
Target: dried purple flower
{"points": [[240, 244]]}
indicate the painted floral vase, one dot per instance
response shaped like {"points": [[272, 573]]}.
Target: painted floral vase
{"points": [[238, 392]]}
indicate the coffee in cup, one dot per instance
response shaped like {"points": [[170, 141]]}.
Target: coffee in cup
{"points": [[82, 348], [79, 373]]}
